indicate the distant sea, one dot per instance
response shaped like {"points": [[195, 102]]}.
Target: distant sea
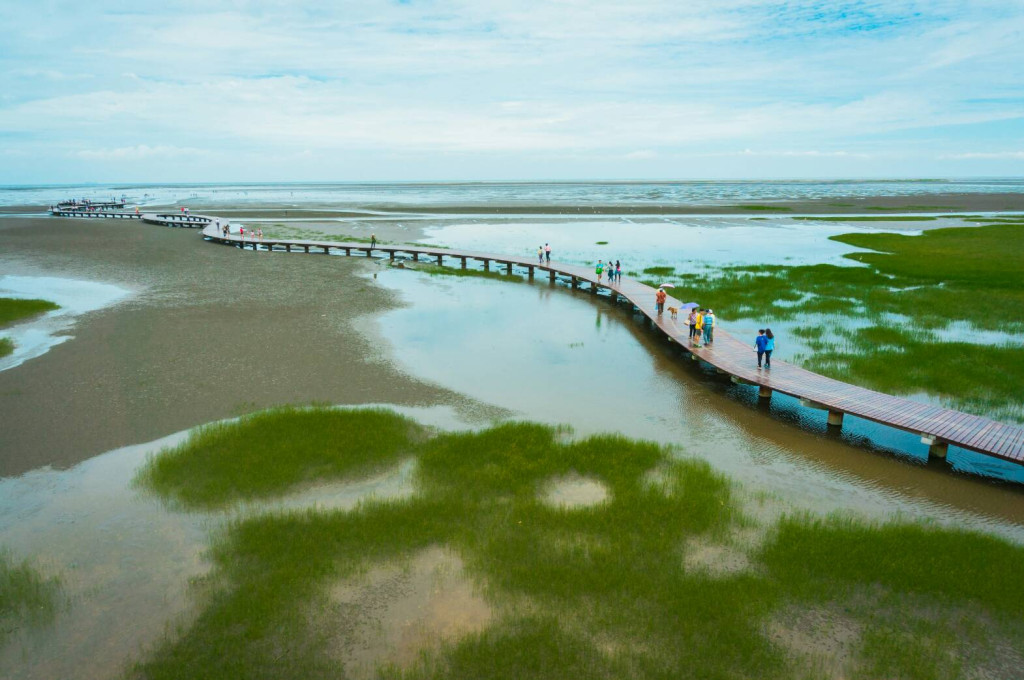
{"points": [[439, 194]]}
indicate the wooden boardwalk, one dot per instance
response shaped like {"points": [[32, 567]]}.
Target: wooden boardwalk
{"points": [[938, 427]]}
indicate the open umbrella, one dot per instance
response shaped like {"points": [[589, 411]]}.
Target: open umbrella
{"points": [[666, 285]]}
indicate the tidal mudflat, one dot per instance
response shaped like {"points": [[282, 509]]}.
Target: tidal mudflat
{"points": [[211, 332]]}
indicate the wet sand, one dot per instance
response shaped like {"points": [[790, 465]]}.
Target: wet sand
{"points": [[209, 333]]}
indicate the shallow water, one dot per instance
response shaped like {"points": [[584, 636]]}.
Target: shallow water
{"points": [[126, 560], [561, 357], [505, 193]]}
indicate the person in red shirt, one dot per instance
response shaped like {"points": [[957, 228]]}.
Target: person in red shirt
{"points": [[659, 300]]}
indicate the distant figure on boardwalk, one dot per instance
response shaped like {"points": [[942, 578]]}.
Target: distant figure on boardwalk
{"points": [[709, 327], [373, 240], [540, 254], [698, 328], [618, 271], [259, 234], [659, 300], [241, 232], [136, 210], [769, 347], [547, 253], [599, 269], [760, 343], [692, 322]]}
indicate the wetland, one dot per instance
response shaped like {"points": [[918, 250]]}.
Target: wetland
{"points": [[539, 486]]}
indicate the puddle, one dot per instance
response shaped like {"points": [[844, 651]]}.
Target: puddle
{"points": [[393, 613], [687, 243], [574, 492], [36, 336]]}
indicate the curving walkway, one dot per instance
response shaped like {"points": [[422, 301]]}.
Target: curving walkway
{"points": [[938, 427]]}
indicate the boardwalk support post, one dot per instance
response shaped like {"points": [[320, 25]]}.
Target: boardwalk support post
{"points": [[508, 268], [531, 273], [463, 262], [936, 447], [575, 282], [440, 260], [487, 265], [307, 248], [369, 252], [551, 276], [764, 392], [835, 418]]}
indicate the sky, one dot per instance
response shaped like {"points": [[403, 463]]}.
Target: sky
{"points": [[509, 89]]}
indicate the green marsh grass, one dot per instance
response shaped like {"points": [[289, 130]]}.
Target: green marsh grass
{"points": [[777, 208], [660, 271], [6, 346], [270, 452], [594, 591], [26, 597], [926, 282], [12, 310]]}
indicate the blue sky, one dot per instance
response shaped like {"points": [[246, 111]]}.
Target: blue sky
{"points": [[509, 89]]}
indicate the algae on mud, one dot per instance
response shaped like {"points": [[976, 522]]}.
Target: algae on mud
{"points": [[596, 591]]}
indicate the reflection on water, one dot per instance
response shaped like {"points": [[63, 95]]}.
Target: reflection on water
{"points": [[562, 357]]}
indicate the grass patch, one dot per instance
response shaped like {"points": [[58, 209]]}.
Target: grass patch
{"points": [[598, 591], [660, 271], [6, 346], [12, 310], [925, 281], [601, 243], [26, 597], [436, 270], [268, 453]]}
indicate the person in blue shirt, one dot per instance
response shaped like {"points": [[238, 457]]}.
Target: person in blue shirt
{"points": [[769, 347], [760, 342]]}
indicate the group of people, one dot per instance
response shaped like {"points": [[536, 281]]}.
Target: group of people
{"points": [[544, 253], [764, 344], [702, 326], [614, 271]]}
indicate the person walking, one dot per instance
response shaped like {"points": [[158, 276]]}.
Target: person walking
{"points": [[769, 347], [698, 327], [659, 300], [599, 270], [540, 254], [373, 240], [709, 327], [547, 253], [259, 234], [691, 321], [760, 343], [618, 271]]}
